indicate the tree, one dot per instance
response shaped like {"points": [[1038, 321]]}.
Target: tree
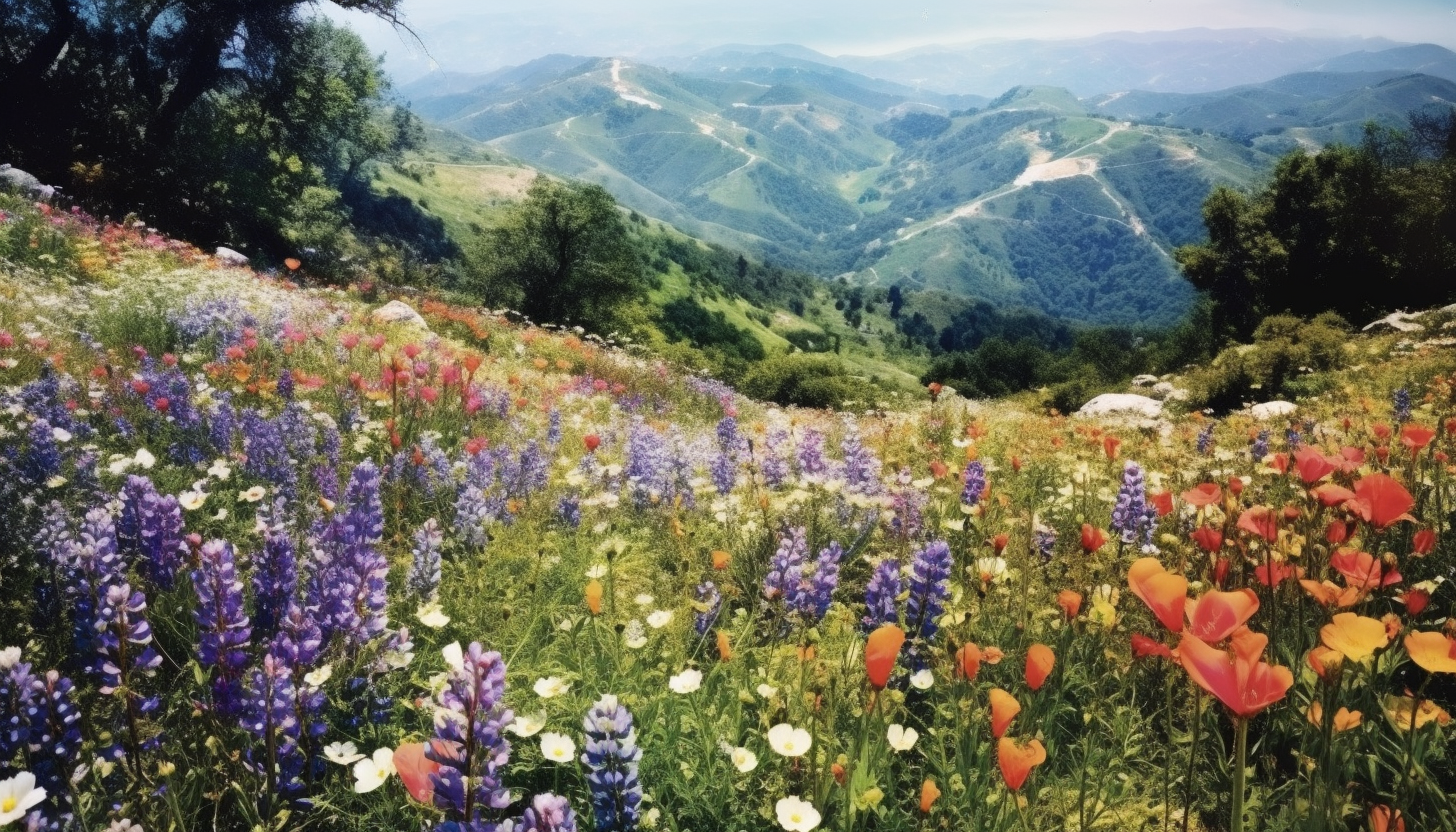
{"points": [[562, 255]]}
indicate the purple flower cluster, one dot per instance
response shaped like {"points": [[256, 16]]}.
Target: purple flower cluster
{"points": [[929, 587], [881, 593], [1400, 402], [268, 714], [350, 584], [708, 603], [548, 813], [223, 628], [1259, 448], [785, 577], [42, 457], [39, 719], [423, 580], [275, 572], [724, 466], [861, 466], [468, 744], [611, 756], [974, 478], [1132, 514], [907, 507], [810, 457], [775, 464], [1205, 439], [150, 530], [1045, 540]]}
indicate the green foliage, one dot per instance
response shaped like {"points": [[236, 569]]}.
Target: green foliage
{"points": [[913, 127], [561, 256], [1357, 231], [802, 380], [684, 319], [1285, 349]]}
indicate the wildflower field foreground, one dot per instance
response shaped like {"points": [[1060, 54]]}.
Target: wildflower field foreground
{"points": [[266, 563]]}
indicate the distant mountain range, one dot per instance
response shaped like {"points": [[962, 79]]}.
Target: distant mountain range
{"points": [[1065, 198]]}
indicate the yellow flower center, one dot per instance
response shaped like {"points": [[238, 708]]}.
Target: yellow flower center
{"points": [[7, 803]]}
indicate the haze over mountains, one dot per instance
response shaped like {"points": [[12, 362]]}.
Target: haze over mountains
{"points": [[1066, 192]]}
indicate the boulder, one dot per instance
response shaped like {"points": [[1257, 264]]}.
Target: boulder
{"points": [[1398, 321], [228, 257], [398, 312], [1130, 404], [1265, 411], [1144, 380], [25, 183], [1166, 390]]}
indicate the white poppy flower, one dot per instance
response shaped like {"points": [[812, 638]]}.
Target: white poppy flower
{"points": [[644, 600], [144, 458], [454, 656], [220, 470], [527, 725], [61, 434], [788, 740], [370, 774], [343, 753], [686, 681], [558, 748], [743, 759], [19, 795], [252, 495], [191, 500], [922, 679], [118, 465], [432, 616], [902, 738], [659, 619], [550, 687], [9, 657], [633, 635], [317, 678], [767, 691], [796, 815]]}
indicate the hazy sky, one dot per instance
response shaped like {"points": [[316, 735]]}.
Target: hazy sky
{"points": [[474, 35]]}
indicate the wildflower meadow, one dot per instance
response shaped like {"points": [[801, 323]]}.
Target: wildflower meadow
{"points": [[269, 563]]}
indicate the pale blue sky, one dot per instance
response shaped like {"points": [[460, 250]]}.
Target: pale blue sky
{"points": [[475, 35]]}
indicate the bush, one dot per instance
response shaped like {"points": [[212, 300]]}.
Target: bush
{"points": [[1285, 348], [803, 380]]}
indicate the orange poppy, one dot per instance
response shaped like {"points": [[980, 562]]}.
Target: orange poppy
{"points": [[1434, 651], [1354, 636], [1385, 819], [1275, 573], [1039, 662], [991, 655], [1162, 501], [1362, 569], [1344, 720], [1241, 680], [1164, 592], [725, 650], [1423, 542], [1326, 593], [998, 542], [1093, 538], [1216, 614], [880, 653], [968, 661], [1203, 495], [1004, 708], [928, 795], [1070, 601], [1416, 437], [721, 559], [1261, 521], [1337, 532], [1380, 500], [293, 263], [1110, 446], [1312, 465], [594, 596], [414, 771], [1208, 538], [1403, 710], [1017, 760]]}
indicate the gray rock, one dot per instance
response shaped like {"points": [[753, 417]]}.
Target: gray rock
{"points": [[1398, 321], [1144, 380], [398, 312], [1265, 411], [1110, 404], [228, 257], [25, 183]]}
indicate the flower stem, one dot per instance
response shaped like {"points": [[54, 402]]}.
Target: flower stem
{"points": [[1192, 755], [1241, 752]]}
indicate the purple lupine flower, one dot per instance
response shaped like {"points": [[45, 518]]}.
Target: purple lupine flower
{"points": [[474, 510], [423, 580], [1132, 504], [42, 457], [824, 582], [534, 471], [548, 813], [568, 509], [275, 573], [267, 713], [708, 603], [1292, 438], [1401, 405], [90, 564], [724, 470], [125, 655], [223, 629], [16, 695], [553, 427], [1259, 448], [300, 638], [1045, 540], [361, 568], [267, 453], [222, 424], [881, 593], [929, 587], [861, 466], [648, 464], [150, 528], [53, 744], [611, 756], [775, 466], [1205, 439], [785, 577], [285, 385], [974, 478], [908, 507], [810, 456], [470, 748]]}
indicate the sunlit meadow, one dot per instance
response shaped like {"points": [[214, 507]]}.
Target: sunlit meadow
{"points": [[268, 563]]}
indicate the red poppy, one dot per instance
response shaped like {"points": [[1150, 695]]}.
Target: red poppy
{"points": [[880, 653], [1312, 465], [1381, 431], [1039, 662], [1208, 538], [1279, 462], [1216, 615], [1236, 486], [1385, 819], [1164, 592], [1144, 647], [934, 389], [1240, 679], [1004, 708], [1423, 541], [415, 770], [1416, 437], [1261, 521], [1070, 601], [1331, 495], [1415, 601], [1110, 446], [938, 469], [293, 263], [1363, 570], [1221, 570], [999, 542], [1328, 594], [1016, 463], [1093, 538], [968, 661], [1162, 501], [1382, 453], [592, 442], [1350, 459], [1275, 573], [1203, 494]]}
